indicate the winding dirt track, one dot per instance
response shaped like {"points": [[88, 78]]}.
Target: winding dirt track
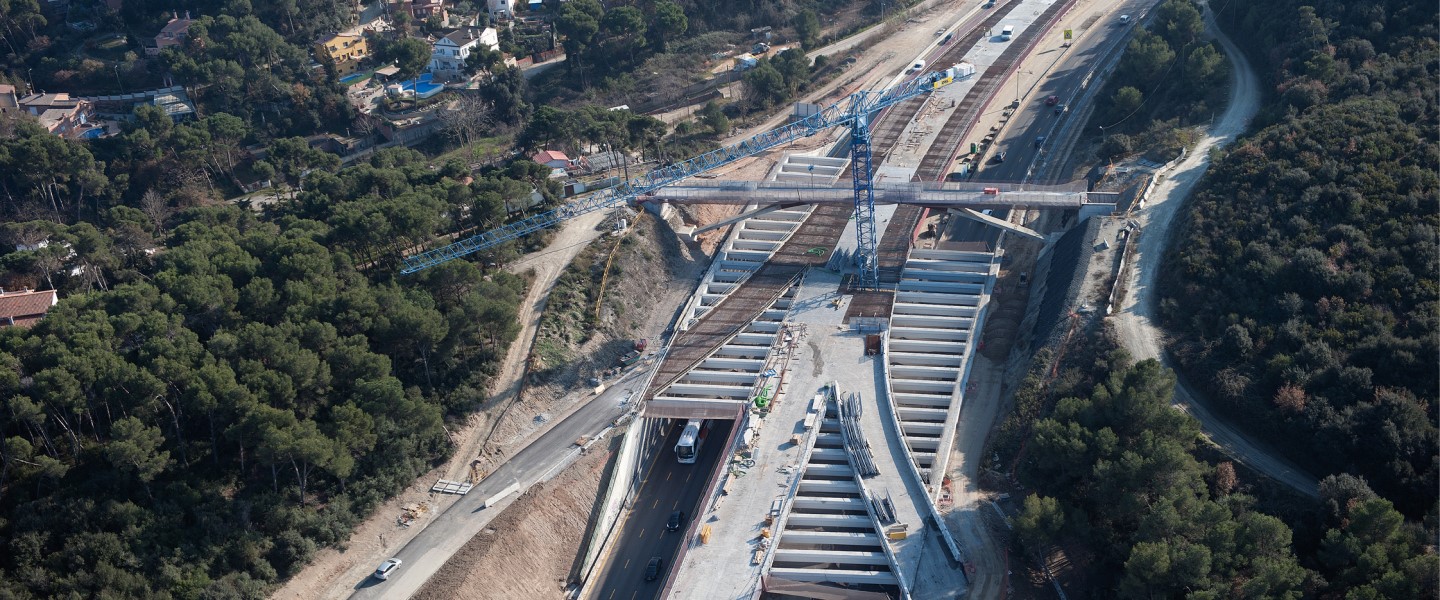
{"points": [[1135, 321]]}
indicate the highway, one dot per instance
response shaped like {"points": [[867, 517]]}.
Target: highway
{"points": [[1062, 76], [669, 486], [541, 459]]}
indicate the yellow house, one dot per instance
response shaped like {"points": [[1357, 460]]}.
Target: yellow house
{"points": [[344, 49]]}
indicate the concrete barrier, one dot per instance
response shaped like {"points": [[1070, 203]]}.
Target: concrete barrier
{"points": [[509, 489]]}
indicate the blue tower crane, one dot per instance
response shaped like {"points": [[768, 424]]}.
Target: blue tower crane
{"points": [[854, 110]]}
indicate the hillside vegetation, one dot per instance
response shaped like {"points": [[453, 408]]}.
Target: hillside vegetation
{"points": [[1302, 285], [195, 422]]}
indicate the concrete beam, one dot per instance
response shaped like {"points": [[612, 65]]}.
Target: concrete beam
{"points": [[933, 298], [838, 576], [825, 486], [940, 287], [735, 351], [932, 322], [831, 556], [940, 310], [932, 360], [746, 364], [828, 521], [938, 275], [740, 217], [708, 390], [924, 373], [927, 346], [753, 339], [813, 470], [826, 503], [829, 538], [957, 256], [707, 376], [922, 386], [1006, 225], [919, 428], [952, 266], [910, 413], [920, 334], [922, 400]]}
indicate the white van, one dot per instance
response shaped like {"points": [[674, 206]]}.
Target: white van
{"points": [[1007, 32], [918, 66]]}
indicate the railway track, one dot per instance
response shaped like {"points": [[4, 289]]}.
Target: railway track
{"points": [[957, 127], [886, 130]]}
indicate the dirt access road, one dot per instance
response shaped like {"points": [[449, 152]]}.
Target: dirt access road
{"points": [[333, 573], [1135, 321]]}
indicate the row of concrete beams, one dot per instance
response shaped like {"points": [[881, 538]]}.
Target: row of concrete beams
{"points": [[753, 243], [810, 170], [723, 382], [937, 302], [761, 232], [826, 535], [937, 195]]}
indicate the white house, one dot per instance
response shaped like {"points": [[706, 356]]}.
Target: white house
{"points": [[447, 60], [502, 8]]}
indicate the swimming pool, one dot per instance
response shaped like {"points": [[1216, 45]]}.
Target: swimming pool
{"points": [[422, 86]]}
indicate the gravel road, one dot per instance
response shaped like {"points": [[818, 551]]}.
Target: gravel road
{"points": [[1135, 320]]}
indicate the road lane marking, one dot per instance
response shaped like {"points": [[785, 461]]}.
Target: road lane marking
{"points": [[634, 594], [612, 594], [642, 535], [676, 506], [655, 505], [627, 565], [668, 474], [688, 476]]}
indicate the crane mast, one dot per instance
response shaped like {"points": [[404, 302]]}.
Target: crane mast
{"points": [[854, 110]]}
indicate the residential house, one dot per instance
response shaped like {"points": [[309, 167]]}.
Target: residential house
{"points": [[172, 34], [502, 8], [421, 10], [59, 113], [447, 59], [344, 50], [554, 159], [25, 308]]}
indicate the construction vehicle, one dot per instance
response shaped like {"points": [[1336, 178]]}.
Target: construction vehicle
{"points": [[630, 358], [854, 111]]}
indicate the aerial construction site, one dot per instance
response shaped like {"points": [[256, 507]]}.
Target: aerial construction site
{"points": [[810, 422]]}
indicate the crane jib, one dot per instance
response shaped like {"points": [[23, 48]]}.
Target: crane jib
{"points": [[857, 106]]}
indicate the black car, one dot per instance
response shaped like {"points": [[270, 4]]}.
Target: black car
{"points": [[652, 570], [999, 158], [677, 520]]}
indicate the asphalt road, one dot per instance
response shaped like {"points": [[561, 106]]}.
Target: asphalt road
{"points": [[544, 457], [1034, 118], [669, 486]]}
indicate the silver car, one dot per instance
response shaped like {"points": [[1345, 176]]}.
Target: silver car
{"points": [[386, 568]]}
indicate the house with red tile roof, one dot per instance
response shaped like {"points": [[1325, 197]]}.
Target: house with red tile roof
{"points": [[25, 308], [172, 34], [554, 159]]}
